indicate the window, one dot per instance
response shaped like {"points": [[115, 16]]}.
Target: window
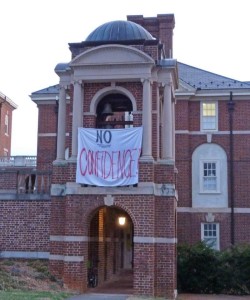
{"points": [[210, 235], [6, 125], [209, 116], [209, 177]]}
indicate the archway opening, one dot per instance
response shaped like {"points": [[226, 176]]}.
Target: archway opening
{"points": [[114, 111], [110, 250]]}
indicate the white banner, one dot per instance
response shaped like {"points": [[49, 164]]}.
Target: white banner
{"points": [[108, 157]]}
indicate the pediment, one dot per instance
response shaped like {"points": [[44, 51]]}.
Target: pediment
{"points": [[185, 87], [111, 55]]}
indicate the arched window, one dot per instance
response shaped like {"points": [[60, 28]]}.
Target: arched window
{"points": [[114, 111], [209, 176]]}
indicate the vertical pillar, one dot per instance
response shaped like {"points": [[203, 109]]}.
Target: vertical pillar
{"points": [[61, 127], [167, 124], [158, 108], [77, 116], [147, 120], [101, 245], [173, 129]]}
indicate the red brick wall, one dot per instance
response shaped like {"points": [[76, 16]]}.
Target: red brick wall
{"points": [[188, 118], [161, 27], [5, 140], [71, 216], [47, 125], [24, 225], [8, 179], [181, 115]]}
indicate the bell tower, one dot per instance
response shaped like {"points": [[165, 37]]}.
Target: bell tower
{"points": [[117, 82]]}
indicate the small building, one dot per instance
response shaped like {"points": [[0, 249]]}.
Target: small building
{"points": [[6, 108]]}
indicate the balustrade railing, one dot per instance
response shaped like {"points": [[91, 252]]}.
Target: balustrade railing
{"points": [[19, 175], [18, 161], [35, 182]]}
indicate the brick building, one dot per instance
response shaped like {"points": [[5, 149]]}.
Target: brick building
{"points": [[212, 158], [6, 108], [193, 167], [122, 72]]}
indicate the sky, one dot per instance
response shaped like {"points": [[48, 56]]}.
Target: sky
{"points": [[34, 34]]}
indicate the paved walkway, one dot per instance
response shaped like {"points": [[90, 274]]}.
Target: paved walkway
{"points": [[211, 297], [121, 288], [97, 296]]}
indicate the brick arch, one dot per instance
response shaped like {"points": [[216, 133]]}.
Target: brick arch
{"points": [[92, 210], [111, 90], [129, 212], [107, 244]]}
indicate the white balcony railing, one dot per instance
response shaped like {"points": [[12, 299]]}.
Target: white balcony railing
{"points": [[18, 161]]}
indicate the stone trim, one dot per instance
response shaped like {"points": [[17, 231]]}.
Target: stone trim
{"points": [[239, 210], [71, 238], [24, 197], [154, 240], [24, 254], [137, 239], [243, 210], [50, 134], [147, 188], [68, 238], [67, 258], [211, 132]]}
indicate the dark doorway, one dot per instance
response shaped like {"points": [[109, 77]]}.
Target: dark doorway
{"points": [[110, 249]]}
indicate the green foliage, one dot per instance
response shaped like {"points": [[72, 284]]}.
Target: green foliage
{"points": [[236, 270], [8, 262], [22, 295], [7, 282], [197, 269], [40, 266], [204, 270], [14, 274]]}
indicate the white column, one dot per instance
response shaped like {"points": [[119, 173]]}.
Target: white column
{"points": [[77, 116], [147, 120], [158, 120], [173, 129], [61, 125], [167, 124]]}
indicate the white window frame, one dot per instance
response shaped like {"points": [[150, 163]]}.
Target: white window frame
{"points": [[217, 169], [203, 118], [214, 227]]}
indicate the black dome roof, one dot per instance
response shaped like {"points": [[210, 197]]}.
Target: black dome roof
{"points": [[119, 31]]}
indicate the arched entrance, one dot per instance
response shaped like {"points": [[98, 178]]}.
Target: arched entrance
{"points": [[110, 248]]}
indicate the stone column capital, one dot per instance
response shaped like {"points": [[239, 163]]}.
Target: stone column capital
{"points": [[63, 87], [167, 84], [145, 80], [76, 82]]}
